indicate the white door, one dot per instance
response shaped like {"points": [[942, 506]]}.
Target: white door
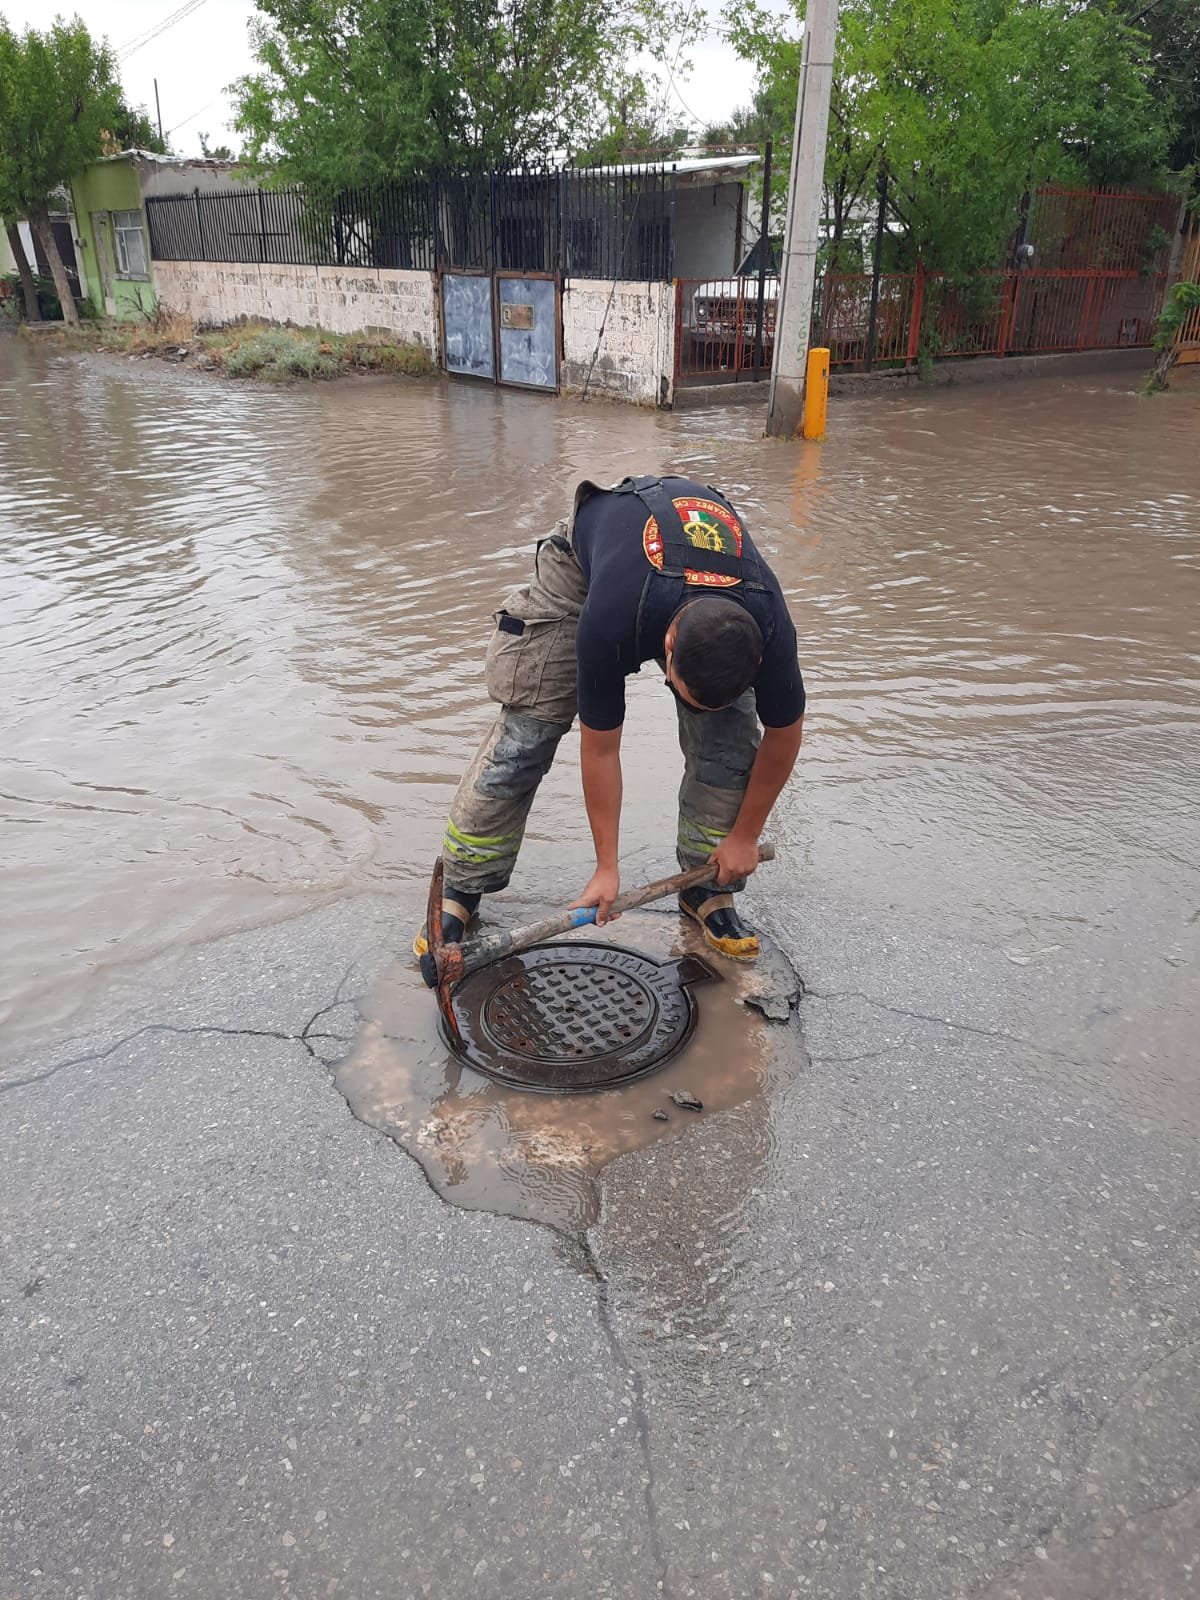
{"points": [[104, 260]]}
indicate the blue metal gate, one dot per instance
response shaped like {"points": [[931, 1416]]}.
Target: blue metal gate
{"points": [[467, 335], [527, 324], [503, 327]]}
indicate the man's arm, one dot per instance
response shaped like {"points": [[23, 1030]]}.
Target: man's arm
{"points": [[600, 760], [737, 855]]}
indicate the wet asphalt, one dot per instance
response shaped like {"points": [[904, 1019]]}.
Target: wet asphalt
{"points": [[921, 1323], [923, 1327]]}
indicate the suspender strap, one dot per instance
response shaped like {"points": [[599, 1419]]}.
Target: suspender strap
{"points": [[653, 495], [678, 552]]}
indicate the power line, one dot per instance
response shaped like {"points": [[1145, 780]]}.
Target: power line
{"points": [[193, 116], [670, 83], [155, 28], [153, 33]]}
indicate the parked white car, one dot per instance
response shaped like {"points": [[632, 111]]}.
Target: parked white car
{"points": [[722, 313]]}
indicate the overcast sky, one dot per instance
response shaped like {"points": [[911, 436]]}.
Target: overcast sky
{"points": [[198, 56]]}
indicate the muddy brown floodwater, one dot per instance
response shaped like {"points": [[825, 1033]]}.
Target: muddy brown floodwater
{"points": [[241, 643], [488, 1147]]}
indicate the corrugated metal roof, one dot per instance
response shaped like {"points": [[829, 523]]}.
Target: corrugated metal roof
{"points": [[688, 166], [169, 161]]}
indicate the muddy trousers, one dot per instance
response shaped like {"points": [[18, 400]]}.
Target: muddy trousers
{"points": [[531, 674]]}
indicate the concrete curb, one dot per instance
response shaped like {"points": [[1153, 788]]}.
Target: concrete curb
{"points": [[975, 369]]}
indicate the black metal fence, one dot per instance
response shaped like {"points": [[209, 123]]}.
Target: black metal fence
{"points": [[583, 222]]}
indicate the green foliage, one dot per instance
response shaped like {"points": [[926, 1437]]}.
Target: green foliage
{"points": [[214, 152], [280, 354], [48, 302], [277, 354], [966, 103], [1183, 299], [351, 92], [133, 130], [745, 125], [366, 352], [1172, 31], [636, 127], [59, 96]]}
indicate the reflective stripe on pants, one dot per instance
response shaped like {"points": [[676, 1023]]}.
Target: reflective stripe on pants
{"points": [[532, 676]]}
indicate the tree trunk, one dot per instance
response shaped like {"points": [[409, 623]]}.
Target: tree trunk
{"points": [[16, 244], [41, 226], [1163, 362]]}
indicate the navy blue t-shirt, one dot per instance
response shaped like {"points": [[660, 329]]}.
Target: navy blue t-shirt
{"points": [[615, 545]]}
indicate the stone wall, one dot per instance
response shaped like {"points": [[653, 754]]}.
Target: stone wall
{"points": [[635, 362], [636, 358], [341, 299]]}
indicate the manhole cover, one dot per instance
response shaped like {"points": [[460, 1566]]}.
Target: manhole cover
{"points": [[565, 1018]]}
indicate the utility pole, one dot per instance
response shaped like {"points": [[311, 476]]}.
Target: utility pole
{"points": [[803, 220], [158, 109]]}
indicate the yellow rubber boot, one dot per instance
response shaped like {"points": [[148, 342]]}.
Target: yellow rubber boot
{"points": [[458, 913], [723, 929]]}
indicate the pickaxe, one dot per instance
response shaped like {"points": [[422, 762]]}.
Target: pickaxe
{"points": [[444, 964]]}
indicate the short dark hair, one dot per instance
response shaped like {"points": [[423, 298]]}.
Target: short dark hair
{"points": [[718, 648]]}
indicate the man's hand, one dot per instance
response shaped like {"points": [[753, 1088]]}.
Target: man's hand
{"points": [[601, 892], [736, 857]]}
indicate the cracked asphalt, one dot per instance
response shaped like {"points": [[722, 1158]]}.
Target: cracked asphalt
{"points": [[920, 1321], [924, 1324]]}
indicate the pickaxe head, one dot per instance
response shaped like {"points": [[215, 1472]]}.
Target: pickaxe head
{"points": [[442, 964]]}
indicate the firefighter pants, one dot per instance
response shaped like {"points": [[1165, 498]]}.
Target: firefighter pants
{"points": [[531, 675]]}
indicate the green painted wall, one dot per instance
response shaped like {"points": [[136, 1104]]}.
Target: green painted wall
{"points": [[108, 186]]}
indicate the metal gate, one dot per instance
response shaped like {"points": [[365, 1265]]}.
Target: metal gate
{"points": [[504, 327], [527, 328], [467, 335], [1188, 338]]}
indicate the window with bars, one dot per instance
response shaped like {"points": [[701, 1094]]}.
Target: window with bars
{"points": [[130, 242]]}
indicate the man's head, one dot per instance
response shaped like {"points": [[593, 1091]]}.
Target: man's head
{"points": [[713, 649]]}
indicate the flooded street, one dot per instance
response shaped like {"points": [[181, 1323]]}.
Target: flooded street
{"points": [[909, 1310], [242, 649]]}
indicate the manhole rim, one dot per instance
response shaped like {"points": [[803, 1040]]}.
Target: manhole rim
{"points": [[681, 972]]}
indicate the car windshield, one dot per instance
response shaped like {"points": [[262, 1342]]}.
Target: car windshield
{"points": [[749, 266]]}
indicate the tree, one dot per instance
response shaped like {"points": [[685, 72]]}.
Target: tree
{"points": [[58, 95], [1183, 299], [1172, 29], [355, 92], [752, 124], [33, 311], [133, 130], [637, 126], [966, 104], [214, 152]]}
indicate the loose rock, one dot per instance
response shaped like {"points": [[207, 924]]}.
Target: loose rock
{"points": [[687, 1101], [660, 1116]]}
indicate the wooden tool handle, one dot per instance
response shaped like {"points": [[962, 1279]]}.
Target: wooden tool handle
{"points": [[677, 882], [480, 952]]}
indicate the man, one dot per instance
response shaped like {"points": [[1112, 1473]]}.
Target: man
{"points": [[656, 569]]}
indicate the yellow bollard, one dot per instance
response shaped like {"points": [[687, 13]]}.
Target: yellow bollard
{"points": [[816, 394]]}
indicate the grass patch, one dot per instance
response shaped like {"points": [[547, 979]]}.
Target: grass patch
{"points": [[275, 355], [367, 352], [153, 336], [253, 350]]}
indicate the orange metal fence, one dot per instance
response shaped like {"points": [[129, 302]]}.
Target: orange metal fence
{"points": [[920, 315], [1101, 230], [1188, 338], [716, 322], [1096, 281]]}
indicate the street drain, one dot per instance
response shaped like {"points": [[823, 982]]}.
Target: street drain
{"points": [[571, 1017]]}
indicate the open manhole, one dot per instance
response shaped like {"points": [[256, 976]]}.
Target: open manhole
{"points": [[570, 1017]]}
